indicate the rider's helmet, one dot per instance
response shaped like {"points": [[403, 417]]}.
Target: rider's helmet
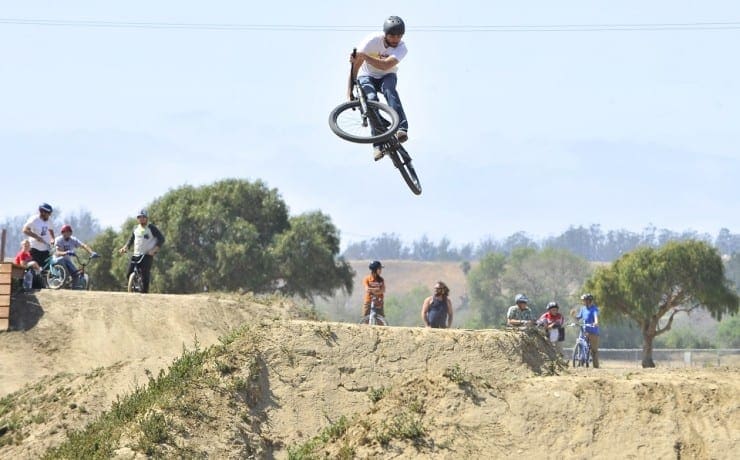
{"points": [[553, 305], [374, 265], [521, 298], [394, 26], [46, 207], [66, 228], [142, 213], [587, 296]]}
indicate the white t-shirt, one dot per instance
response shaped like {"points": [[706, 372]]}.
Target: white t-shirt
{"points": [[374, 45], [40, 227]]}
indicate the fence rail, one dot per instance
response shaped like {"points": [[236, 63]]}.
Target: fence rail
{"points": [[675, 357]]}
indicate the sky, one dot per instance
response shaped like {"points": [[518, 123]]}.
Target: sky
{"points": [[518, 122]]}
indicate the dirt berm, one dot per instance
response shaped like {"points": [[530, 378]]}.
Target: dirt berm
{"points": [[80, 378]]}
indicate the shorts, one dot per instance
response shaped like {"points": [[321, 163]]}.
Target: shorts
{"points": [[366, 310]]}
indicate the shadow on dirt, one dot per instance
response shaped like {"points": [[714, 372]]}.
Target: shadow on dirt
{"points": [[26, 311]]}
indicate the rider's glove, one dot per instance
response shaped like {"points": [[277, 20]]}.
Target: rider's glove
{"points": [[94, 255], [70, 253]]}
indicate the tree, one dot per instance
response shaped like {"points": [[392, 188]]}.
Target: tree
{"points": [[546, 275], [306, 258], [728, 333], [106, 271], [485, 287], [648, 283], [224, 236]]}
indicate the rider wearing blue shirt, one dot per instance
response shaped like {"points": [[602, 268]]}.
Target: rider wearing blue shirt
{"points": [[589, 315]]}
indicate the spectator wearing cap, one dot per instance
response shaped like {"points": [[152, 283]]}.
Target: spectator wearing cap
{"points": [[39, 230], [553, 322], [520, 315], [146, 240]]}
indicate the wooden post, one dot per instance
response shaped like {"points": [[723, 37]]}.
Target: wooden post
{"points": [[2, 246], [6, 271]]}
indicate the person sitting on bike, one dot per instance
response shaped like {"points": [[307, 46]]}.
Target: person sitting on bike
{"points": [[375, 65], [374, 285], [147, 240], [436, 311], [520, 315], [553, 322], [64, 248], [589, 315]]}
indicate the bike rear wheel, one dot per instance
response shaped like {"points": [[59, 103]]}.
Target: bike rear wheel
{"points": [[56, 276], [402, 161], [347, 121]]}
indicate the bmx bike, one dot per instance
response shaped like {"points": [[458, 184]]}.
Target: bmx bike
{"points": [[582, 348], [136, 278], [366, 121], [57, 275], [373, 318]]}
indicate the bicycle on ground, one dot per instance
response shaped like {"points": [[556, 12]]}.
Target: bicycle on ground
{"points": [[136, 278], [582, 348], [367, 121], [57, 275], [373, 318]]}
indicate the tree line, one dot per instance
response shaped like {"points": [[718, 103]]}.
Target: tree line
{"points": [[232, 235], [592, 243]]}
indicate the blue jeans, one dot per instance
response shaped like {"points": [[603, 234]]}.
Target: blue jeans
{"points": [[387, 86], [71, 269]]}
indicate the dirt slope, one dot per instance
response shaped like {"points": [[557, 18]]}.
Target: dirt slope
{"points": [[340, 390]]}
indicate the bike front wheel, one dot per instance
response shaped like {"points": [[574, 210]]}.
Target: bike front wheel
{"points": [[56, 276], [377, 125], [134, 282], [578, 355], [402, 161]]}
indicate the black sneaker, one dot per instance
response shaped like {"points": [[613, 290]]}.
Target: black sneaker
{"points": [[402, 135]]}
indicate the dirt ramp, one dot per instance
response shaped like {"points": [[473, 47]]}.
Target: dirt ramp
{"points": [[77, 331]]}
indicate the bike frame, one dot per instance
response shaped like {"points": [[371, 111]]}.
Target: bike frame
{"points": [[373, 318], [582, 348]]}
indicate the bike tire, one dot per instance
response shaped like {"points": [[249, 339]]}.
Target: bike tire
{"points": [[83, 284], [346, 122], [134, 283], [576, 355], [402, 161], [56, 276]]}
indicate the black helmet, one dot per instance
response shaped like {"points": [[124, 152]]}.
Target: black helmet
{"points": [[374, 265], [46, 207], [394, 26], [553, 305], [587, 296]]}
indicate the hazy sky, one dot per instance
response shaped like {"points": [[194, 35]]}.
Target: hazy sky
{"points": [[526, 128]]}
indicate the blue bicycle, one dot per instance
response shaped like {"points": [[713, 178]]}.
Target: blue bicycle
{"points": [[582, 348]]}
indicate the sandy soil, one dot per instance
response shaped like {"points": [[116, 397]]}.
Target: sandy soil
{"points": [[403, 392]]}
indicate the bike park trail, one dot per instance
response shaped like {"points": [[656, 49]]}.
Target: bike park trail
{"points": [[396, 392]]}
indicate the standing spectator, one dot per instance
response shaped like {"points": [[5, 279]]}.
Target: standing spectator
{"points": [[520, 314], [39, 230], [553, 322], [589, 316], [436, 311], [374, 285], [64, 249], [147, 241]]}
